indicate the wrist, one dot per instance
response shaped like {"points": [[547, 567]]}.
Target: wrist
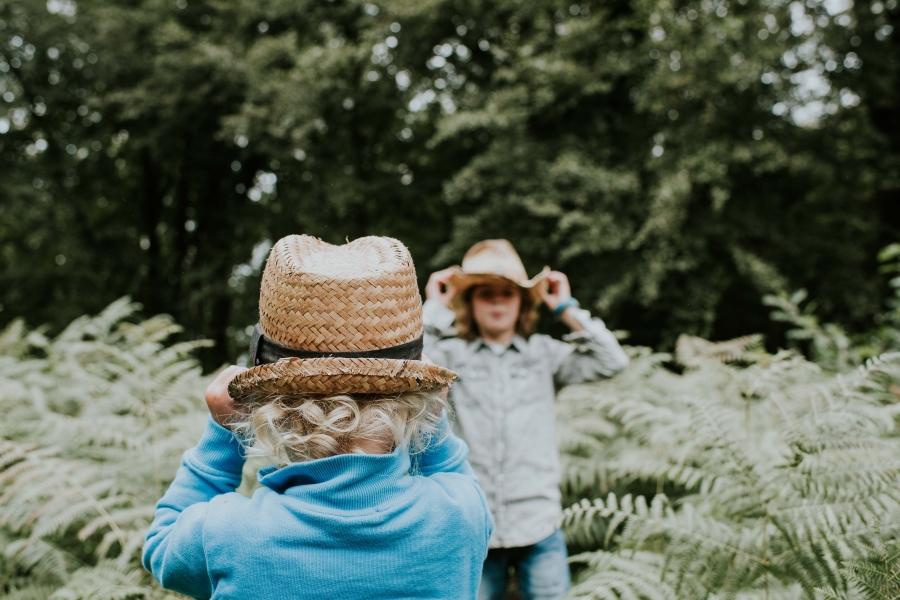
{"points": [[219, 448], [437, 300], [569, 302]]}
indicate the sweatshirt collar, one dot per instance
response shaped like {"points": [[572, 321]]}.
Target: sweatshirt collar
{"points": [[345, 481]]}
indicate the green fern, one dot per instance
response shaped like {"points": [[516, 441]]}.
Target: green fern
{"points": [[876, 577], [747, 349], [612, 577], [766, 480], [103, 581], [736, 475], [828, 343], [95, 422]]}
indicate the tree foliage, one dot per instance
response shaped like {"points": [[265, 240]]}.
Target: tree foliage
{"points": [[678, 158]]}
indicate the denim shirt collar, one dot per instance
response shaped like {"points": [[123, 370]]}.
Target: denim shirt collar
{"points": [[518, 343], [345, 481]]}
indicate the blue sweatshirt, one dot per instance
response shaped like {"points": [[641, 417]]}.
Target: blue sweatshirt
{"points": [[348, 526]]}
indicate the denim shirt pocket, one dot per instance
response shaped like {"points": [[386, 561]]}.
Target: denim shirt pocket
{"points": [[527, 380], [473, 384], [473, 373]]}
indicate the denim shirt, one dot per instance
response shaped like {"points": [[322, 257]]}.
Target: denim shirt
{"points": [[503, 407]]}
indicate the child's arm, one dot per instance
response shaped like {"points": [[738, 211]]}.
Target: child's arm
{"points": [[592, 351], [438, 324], [445, 453], [437, 317], [173, 550], [438, 320]]}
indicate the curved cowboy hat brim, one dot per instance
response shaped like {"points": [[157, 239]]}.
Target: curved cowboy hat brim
{"points": [[336, 375], [463, 281]]}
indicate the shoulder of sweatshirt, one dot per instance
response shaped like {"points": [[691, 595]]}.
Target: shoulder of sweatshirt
{"points": [[459, 491], [229, 501]]}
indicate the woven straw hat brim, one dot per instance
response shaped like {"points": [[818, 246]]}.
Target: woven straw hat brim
{"points": [[327, 376]]}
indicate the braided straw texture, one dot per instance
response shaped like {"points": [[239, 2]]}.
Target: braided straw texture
{"points": [[293, 376], [359, 296]]}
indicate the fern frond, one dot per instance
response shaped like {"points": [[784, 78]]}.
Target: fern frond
{"points": [[781, 473], [45, 496], [13, 340], [690, 349], [105, 581], [32, 592], [82, 464], [611, 577], [875, 577], [44, 562]]}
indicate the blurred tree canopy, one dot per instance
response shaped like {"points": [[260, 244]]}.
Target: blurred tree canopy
{"points": [[678, 158]]}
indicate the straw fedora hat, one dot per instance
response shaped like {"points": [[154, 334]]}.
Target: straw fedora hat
{"points": [[338, 319], [494, 261]]}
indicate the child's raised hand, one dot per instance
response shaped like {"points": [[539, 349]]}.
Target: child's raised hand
{"points": [[221, 405], [556, 289], [439, 288]]}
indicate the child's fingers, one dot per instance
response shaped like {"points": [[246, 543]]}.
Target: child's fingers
{"points": [[544, 292], [225, 376], [448, 273]]}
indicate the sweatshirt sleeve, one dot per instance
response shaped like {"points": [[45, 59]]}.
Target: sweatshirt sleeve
{"points": [[446, 453], [588, 355], [173, 550]]}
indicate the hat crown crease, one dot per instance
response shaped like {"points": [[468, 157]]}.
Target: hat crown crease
{"points": [[358, 296]]}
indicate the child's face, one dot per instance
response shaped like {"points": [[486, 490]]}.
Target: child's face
{"points": [[495, 308]]}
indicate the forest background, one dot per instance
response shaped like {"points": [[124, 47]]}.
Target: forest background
{"points": [[678, 159], [689, 163]]}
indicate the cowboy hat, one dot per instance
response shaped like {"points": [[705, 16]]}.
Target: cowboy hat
{"points": [[338, 320], [494, 261]]}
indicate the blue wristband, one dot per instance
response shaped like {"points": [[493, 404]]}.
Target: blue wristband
{"points": [[570, 301]]}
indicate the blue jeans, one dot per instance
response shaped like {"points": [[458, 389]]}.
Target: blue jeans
{"points": [[542, 571]]}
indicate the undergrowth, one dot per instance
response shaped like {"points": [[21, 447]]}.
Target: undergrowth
{"points": [[726, 472], [94, 423], [717, 472]]}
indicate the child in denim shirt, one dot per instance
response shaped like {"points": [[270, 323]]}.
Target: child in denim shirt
{"points": [[504, 401]]}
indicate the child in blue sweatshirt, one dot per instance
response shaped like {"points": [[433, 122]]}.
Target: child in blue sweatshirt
{"points": [[369, 494]]}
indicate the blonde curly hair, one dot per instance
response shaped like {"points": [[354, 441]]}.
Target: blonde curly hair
{"points": [[294, 429]]}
